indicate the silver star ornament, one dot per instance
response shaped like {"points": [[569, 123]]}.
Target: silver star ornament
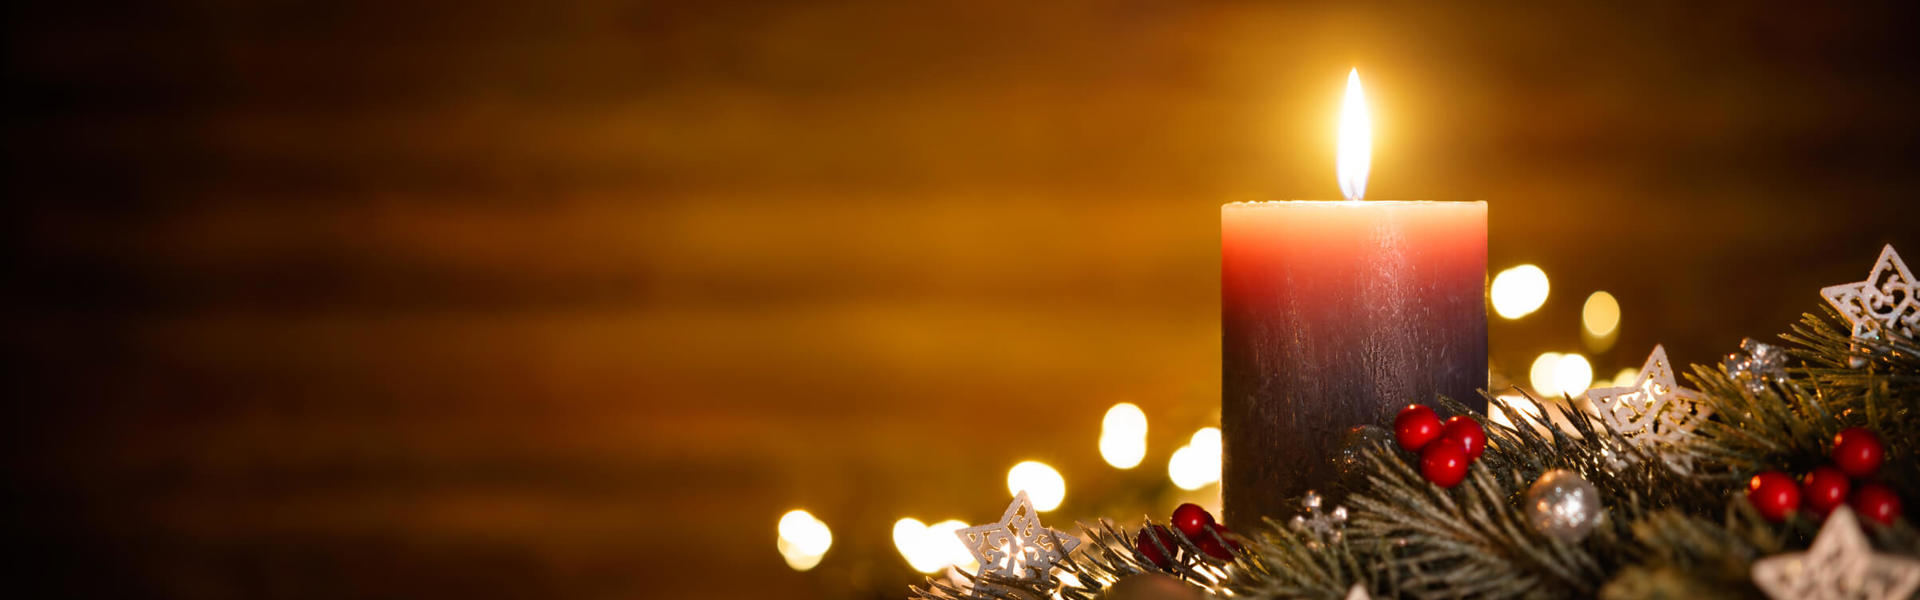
{"points": [[1884, 302], [1017, 547], [1839, 566], [1655, 412]]}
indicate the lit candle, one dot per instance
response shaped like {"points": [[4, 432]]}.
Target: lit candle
{"points": [[1335, 314]]}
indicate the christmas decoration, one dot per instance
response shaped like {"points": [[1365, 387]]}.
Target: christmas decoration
{"points": [[1858, 452], [1563, 506], [1444, 464], [1757, 365], [1660, 532], [1774, 494], [1824, 489], [1655, 412], [1325, 526], [1191, 520], [1415, 427], [1877, 503], [1017, 547], [1156, 544], [1839, 566], [1216, 543], [1465, 433], [1885, 302]]}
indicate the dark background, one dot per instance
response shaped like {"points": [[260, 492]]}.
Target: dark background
{"points": [[573, 300]]}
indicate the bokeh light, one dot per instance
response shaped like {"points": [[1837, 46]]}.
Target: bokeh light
{"points": [[1541, 374], [1519, 291], [803, 539], [1625, 377], [1601, 314], [1520, 405], [1572, 374], [1044, 485], [929, 548], [1123, 436], [1197, 464]]}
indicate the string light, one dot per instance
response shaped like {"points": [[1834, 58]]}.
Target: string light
{"points": [[1044, 485], [1197, 464], [1123, 436], [803, 539], [1519, 291]]}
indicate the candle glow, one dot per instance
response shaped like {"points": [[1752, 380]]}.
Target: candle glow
{"points": [[1356, 141]]}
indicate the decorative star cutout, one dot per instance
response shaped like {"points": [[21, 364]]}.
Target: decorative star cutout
{"points": [[1654, 412], [1839, 566], [1884, 302], [1017, 547]]}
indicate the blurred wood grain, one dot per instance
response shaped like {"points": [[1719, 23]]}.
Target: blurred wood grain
{"points": [[322, 300]]}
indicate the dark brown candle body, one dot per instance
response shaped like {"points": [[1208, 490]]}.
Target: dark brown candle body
{"points": [[1333, 315]]}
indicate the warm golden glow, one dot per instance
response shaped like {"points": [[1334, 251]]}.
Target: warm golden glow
{"points": [[1044, 485], [803, 539], [1356, 141], [1541, 374], [1123, 436], [930, 548], [1601, 315], [1196, 464], [1519, 291], [1573, 375]]}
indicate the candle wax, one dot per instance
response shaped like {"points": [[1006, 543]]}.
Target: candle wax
{"points": [[1334, 315]]}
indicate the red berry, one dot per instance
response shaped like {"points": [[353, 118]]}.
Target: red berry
{"points": [[1151, 551], [1467, 434], [1216, 543], [1444, 464], [1877, 502], [1858, 452], [1415, 427], [1774, 494], [1191, 520], [1825, 488]]}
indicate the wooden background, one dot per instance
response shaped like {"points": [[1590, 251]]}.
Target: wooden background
{"points": [[573, 300]]}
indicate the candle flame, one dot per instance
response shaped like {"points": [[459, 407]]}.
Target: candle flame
{"points": [[1356, 140]]}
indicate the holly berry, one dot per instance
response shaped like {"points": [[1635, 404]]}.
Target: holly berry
{"points": [[1774, 494], [1444, 464], [1825, 489], [1216, 543], [1858, 452], [1467, 434], [1151, 551], [1191, 520], [1415, 427], [1877, 502]]}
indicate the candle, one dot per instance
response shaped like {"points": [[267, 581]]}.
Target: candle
{"points": [[1335, 314]]}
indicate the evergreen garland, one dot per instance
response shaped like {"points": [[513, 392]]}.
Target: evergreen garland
{"points": [[1667, 534]]}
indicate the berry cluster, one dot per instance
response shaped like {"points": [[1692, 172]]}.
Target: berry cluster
{"points": [[1857, 454], [1157, 544], [1445, 448]]}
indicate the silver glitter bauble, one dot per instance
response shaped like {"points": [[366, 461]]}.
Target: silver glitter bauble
{"points": [[1563, 506]]}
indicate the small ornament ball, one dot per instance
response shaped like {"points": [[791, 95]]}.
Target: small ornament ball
{"points": [[1858, 452], [1824, 489], [1191, 520], [1877, 503], [1152, 551], [1444, 464], [1415, 427], [1467, 434], [1774, 494], [1563, 506], [1216, 543]]}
